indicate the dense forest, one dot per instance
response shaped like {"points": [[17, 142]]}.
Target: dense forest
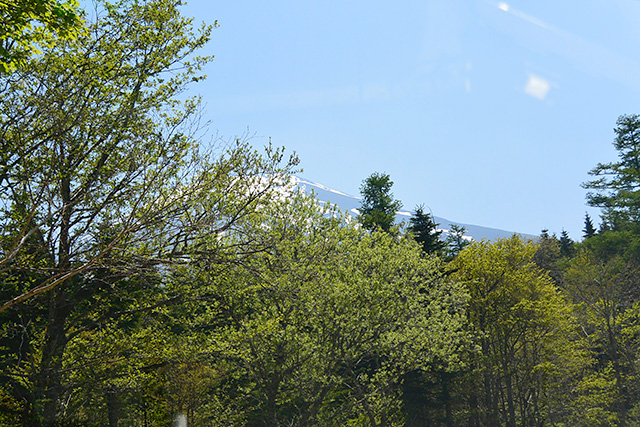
{"points": [[150, 277]]}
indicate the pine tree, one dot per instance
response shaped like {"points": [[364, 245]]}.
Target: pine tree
{"points": [[604, 226], [566, 245], [616, 188], [589, 230], [378, 208], [548, 254], [544, 234], [424, 230], [456, 241]]}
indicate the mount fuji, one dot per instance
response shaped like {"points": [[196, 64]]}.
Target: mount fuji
{"points": [[350, 204]]}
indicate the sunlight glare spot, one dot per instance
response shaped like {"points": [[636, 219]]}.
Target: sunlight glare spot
{"points": [[180, 420], [503, 6]]}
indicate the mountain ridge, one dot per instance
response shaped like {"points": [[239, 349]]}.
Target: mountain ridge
{"points": [[349, 203]]}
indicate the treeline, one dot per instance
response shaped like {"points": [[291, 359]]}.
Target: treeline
{"points": [[552, 326], [148, 277]]}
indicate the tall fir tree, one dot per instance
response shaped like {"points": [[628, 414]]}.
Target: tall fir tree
{"points": [[378, 208], [589, 230], [456, 240], [567, 248], [548, 254], [425, 231]]}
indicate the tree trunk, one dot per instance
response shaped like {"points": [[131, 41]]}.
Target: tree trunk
{"points": [[511, 408], [446, 398], [113, 407], [617, 369], [48, 383]]}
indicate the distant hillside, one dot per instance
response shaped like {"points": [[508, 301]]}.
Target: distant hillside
{"points": [[347, 202]]}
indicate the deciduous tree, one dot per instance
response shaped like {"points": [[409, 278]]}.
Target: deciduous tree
{"points": [[322, 328], [605, 287], [103, 185], [523, 328], [30, 25]]}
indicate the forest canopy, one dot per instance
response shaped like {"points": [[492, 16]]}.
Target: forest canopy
{"points": [[150, 275]]}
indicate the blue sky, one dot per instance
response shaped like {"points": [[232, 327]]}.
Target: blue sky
{"points": [[490, 113]]}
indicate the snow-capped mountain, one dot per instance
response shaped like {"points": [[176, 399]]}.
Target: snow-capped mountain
{"points": [[349, 203]]}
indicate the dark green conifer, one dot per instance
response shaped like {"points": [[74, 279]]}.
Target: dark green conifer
{"points": [[589, 230], [604, 226], [425, 231], [456, 240], [566, 245], [616, 187], [378, 208]]}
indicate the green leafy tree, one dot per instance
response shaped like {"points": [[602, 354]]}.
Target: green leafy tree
{"points": [[31, 25], [321, 329], [425, 231], [604, 284], [616, 188], [143, 367], [103, 186], [378, 207], [523, 327]]}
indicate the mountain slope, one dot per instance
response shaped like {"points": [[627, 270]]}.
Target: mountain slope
{"points": [[349, 203]]}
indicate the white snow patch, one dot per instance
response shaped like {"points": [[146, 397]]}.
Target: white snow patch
{"points": [[321, 187]]}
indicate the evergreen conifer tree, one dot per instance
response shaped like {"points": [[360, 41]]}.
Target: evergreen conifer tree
{"points": [[616, 187], [566, 245], [455, 240], [424, 230], [604, 226], [378, 208], [589, 230], [548, 254]]}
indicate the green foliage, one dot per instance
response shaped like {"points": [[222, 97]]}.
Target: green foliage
{"points": [[523, 328], [595, 396], [425, 231], [567, 248], [31, 25], [378, 208], [456, 241], [145, 275], [609, 244], [547, 256], [589, 230], [606, 289], [103, 188], [322, 327], [616, 188], [140, 370]]}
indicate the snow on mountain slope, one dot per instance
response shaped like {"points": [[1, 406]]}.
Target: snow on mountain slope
{"points": [[349, 203]]}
